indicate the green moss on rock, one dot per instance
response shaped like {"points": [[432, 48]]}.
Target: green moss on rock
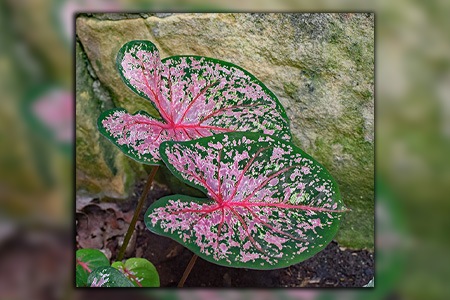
{"points": [[100, 168]]}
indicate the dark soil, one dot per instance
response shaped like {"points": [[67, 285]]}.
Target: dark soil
{"points": [[102, 225]]}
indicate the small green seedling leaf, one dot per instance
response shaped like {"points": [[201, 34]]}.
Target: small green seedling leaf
{"points": [[139, 271], [86, 261], [108, 277], [270, 205]]}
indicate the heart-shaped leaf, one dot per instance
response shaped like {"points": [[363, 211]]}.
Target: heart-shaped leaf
{"points": [[108, 277], [86, 261], [270, 204], [196, 97], [139, 271]]}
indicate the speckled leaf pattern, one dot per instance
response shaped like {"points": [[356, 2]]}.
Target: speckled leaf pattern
{"points": [[86, 261], [195, 96], [270, 204], [108, 277]]}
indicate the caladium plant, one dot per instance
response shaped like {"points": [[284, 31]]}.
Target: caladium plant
{"points": [[195, 96], [270, 205]]}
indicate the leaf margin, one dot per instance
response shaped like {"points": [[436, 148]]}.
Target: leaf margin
{"points": [[119, 57], [125, 149]]}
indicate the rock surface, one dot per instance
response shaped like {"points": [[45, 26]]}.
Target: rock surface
{"points": [[320, 66], [101, 169]]}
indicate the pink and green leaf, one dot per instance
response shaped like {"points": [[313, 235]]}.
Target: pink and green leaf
{"points": [[270, 205], [195, 96], [86, 261]]}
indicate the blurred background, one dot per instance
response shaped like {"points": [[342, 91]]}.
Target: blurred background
{"points": [[412, 145]]}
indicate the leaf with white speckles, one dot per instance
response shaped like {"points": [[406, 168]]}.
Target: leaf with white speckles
{"points": [[86, 261], [270, 205], [196, 97], [139, 271], [108, 277]]}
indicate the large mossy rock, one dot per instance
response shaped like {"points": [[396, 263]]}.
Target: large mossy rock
{"points": [[321, 67], [101, 169]]}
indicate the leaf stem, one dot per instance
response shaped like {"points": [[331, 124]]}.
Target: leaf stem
{"points": [[141, 201], [187, 271]]}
